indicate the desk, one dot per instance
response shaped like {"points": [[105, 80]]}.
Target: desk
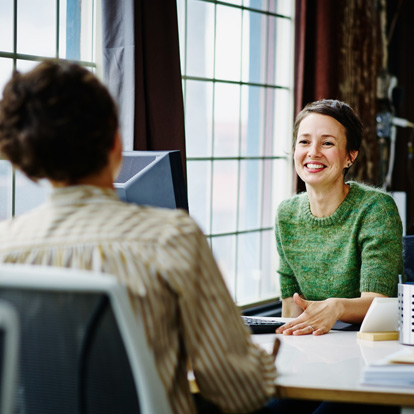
{"points": [[329, 368]]}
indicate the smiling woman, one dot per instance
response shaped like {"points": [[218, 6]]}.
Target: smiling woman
{"points": [[333, 239]]}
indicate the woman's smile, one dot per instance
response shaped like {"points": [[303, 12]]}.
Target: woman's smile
{"points": [[314, 167]]}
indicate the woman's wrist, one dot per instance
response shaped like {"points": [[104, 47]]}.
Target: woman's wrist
{"points": [[337, 307]]}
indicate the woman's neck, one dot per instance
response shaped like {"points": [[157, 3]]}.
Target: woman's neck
{"points": [[325, 201], [103, 179]]}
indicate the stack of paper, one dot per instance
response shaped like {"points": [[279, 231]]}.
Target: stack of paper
{"points": [[396, 370]]}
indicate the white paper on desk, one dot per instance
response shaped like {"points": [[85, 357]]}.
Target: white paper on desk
{"points": [[404, 356], [382, 316]]}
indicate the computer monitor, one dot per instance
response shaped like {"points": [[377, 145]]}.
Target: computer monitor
{"points": [[153, 178]]}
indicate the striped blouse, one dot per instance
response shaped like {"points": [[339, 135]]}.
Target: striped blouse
{"points": [[174, 283]]}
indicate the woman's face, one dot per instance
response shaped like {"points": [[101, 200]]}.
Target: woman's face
{"points": [[320, 151]]}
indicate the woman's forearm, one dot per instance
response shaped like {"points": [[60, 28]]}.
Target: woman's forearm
{"points": [[353, 310]]}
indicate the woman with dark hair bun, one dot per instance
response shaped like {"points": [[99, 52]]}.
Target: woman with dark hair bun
{"points": [[340, 243]]}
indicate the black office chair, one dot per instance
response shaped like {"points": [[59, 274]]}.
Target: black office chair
{"points": [[409, 258], [9, 337], [82, 350]]}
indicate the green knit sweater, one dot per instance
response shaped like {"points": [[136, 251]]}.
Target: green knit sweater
{"points": [[356, 249]]}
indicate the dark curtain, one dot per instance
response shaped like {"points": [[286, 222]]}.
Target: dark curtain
{"points": [[316, 68], [142, 71], [316, 57], [401, 62], [339, 51]]}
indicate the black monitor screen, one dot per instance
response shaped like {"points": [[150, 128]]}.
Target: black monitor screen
{"points": [[153, 178]]}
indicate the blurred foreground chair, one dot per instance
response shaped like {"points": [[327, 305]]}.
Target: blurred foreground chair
{"points": [[82, 350], [409, 258], [9, 345]]}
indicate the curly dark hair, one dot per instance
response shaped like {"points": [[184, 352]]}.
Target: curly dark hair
{"points": [[57, 121]]}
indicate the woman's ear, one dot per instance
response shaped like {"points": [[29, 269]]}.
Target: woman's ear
{"points": [[352, 157]]}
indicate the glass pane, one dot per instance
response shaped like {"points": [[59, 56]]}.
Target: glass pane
{"points": [[200, 39], [228, 43], [26, 65], [249, 273], [198, 118], [181, 32], [6, 24], [283, 7], [250, 194], [284, 47], [199, 192], [254, 47], [29, 195], [36, 27], [277, 178], [269, 286], [77, 31], [282, 123], [224, 250], [237, 2], [278, 123], [63, 27], [252, 120], [226, 119], [6, 68], [5, 189], [225, 184], [256, 4]]}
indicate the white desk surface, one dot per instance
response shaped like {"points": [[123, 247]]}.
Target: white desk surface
{"points": [[329, 367]]}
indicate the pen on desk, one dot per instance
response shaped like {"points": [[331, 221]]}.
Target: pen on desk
{"points": [[276, 346]]}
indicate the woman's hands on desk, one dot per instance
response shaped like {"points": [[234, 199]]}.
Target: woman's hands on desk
{"points": [[317, 318]]}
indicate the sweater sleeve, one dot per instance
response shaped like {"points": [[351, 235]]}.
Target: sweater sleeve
{"points": [[381, 246], [230, 369], [288, 282]]}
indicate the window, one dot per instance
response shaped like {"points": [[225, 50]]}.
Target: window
{"points": [[33, 30], [236, 62]]}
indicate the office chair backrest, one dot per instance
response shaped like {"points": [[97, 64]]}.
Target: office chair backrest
{"points": [[9, 337], [81, 350], [409, 258]]}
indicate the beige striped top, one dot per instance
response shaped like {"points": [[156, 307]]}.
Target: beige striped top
{"points": [[166, 263]]}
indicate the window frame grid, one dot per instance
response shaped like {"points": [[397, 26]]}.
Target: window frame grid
{"points": [[211, 159], [14, 56]]}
